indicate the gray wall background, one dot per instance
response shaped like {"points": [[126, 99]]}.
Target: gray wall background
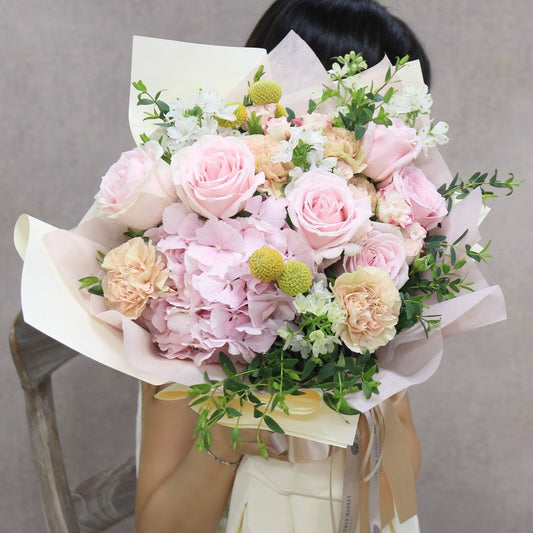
{"points": [[64, 91]]}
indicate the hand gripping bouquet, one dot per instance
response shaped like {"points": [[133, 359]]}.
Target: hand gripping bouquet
{"points": [[284, 246]]}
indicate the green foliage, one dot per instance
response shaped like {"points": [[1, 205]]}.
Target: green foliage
{"points": [[253, 125], [280, 374], [132, 234], [360, 105], [159, 111], [460, 189], [93, 285], [300, 153]]}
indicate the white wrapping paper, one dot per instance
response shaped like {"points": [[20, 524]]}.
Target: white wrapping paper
{"points": [[56, 259]]}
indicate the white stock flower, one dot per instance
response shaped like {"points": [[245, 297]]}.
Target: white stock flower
{"points": [[336, 313], [315, 157], [355, 82], [189, 123], [294, 341], [337, 72], [209, 101], [322, 344], [412, 99], [433, 135]]}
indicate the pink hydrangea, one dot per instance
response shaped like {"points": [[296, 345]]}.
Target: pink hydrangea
{"points": [[217, 305]]}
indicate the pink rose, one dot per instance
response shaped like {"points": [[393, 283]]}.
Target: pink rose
{"points": [[389, 148], [323, 207], [138, 187], [215, 177], [382, 248], [428, 206]]}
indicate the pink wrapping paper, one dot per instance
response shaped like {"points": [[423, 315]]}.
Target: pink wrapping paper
{"points": [[409, 359]]}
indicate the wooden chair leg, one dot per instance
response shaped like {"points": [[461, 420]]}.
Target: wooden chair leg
{"points": [[101, 501], [106, 498], [56, 500]]}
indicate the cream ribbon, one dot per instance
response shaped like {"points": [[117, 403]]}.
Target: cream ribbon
{"points": [[385, 472]]}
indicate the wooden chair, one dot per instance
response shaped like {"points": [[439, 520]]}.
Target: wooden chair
{"points": [[102, 500]]}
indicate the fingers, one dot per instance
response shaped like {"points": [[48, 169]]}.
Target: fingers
{"points": [[248, 444]]}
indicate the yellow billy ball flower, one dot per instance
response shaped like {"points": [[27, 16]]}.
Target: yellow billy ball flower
{"points": [[280, 111], [265, 92], [240, 116], [295, 278], [266, 264]]}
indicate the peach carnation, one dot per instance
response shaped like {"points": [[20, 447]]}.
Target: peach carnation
{"points": [[342, 144], [135, 273], [264, 148], [372, 304]]}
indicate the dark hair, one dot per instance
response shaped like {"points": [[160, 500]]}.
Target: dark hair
{"points": [[335, 27]]}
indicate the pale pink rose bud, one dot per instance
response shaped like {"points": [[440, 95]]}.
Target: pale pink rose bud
{"points": [[427, 204], [215, 177], [364, 186], [316, 121], [393, 208], [278, 129], [383, 248], [413, 237], [265, 112], [323, 208], [137, 188], [389, 148]]}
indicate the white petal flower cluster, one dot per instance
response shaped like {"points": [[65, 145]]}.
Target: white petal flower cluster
{"points": [[322, 344], [191, 122], [347, 66], [315, 156], [413, 99], [295, 341], [338, 72], [321, 303], [433, 135]]}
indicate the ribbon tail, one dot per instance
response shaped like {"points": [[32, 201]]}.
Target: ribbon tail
{"points": [[375, 422], [350, 491]]}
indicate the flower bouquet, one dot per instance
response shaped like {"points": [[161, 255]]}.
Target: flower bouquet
{"points": [[289, 252]]}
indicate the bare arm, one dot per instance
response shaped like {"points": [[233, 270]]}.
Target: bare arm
{"points": [[178, 487]]}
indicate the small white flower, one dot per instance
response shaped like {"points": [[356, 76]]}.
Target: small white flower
{"points": [[335, 313], [322, 344], [314, 139], [209, 101], [413, 99], [433, 135], [343, 109], [337, 72], [355, 82]]}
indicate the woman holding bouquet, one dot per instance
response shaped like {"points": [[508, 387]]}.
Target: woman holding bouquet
{"points": [[183, 490]]}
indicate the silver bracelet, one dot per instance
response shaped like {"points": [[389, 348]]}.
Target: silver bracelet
{"points": [[221, 461]]}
